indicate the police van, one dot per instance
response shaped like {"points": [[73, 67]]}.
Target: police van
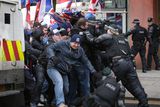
{"points": [[11, 53]]}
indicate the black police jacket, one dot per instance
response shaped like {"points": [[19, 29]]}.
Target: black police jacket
{"points": [[139, 34], [154, 32], [108, 90], [112, 45]]}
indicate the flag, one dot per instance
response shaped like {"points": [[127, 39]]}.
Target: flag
{"points": [[92, 6], [62, 1], [53, 20], [23, 3], [67, 3], [53, 24], [57, 18], [49, 5], [50, 21], [43, 7], [67, 14], [28, 19], [37, 11]]}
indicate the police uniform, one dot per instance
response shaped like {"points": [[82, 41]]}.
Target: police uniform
{"points": [[153, 30], [139, 37], [117, 52], [105, 95]]}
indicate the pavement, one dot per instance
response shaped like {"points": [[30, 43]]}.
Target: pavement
{"points": [[150, 81], [151, 84]]}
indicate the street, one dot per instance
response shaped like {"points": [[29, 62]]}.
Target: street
{"points": [[150, 82]]}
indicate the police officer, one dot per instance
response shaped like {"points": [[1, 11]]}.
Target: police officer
{"points": [[105, 95], [139, 37], [116, 50], [153, 30], [109, 93]]}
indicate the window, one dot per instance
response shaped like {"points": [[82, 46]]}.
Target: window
{"points": [[7, 18], [115, 4]]}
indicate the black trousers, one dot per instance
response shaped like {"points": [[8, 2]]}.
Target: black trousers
{"points": [[125, 71], [153, 52], [40, 78], [139, 48]]}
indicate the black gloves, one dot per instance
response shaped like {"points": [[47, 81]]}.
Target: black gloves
{"points": [[54, 60]]}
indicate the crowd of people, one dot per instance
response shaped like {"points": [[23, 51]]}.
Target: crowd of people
{"points": [[82, 64]]}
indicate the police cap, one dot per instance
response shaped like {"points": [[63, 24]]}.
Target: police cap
{"points": [[150, 19], [136, 21]]}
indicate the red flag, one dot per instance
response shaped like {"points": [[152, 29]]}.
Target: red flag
{"points": [[51, 11], [37, 11], [28, 11], [92, 6], [62, 1], [67, 3], [43, 7]]}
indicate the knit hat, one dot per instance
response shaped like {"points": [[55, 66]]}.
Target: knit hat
{"points": [[75, 38]]}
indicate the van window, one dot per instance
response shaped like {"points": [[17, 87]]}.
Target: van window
{"points": [[7, 18]]}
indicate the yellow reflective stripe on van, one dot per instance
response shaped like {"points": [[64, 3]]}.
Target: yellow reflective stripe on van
{"points": [[0, 51], [3, 56], [11, 51], [20, 52]]}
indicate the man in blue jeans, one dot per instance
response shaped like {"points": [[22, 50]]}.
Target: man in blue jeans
{"points": [[62, 56]]}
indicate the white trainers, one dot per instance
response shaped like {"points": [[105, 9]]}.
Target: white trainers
{"points": [[42, 99], [40, 105], [62, 105]]}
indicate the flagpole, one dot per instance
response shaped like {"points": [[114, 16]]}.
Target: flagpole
{"points": [[54, 4], [37, 11], [75, 1]]}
